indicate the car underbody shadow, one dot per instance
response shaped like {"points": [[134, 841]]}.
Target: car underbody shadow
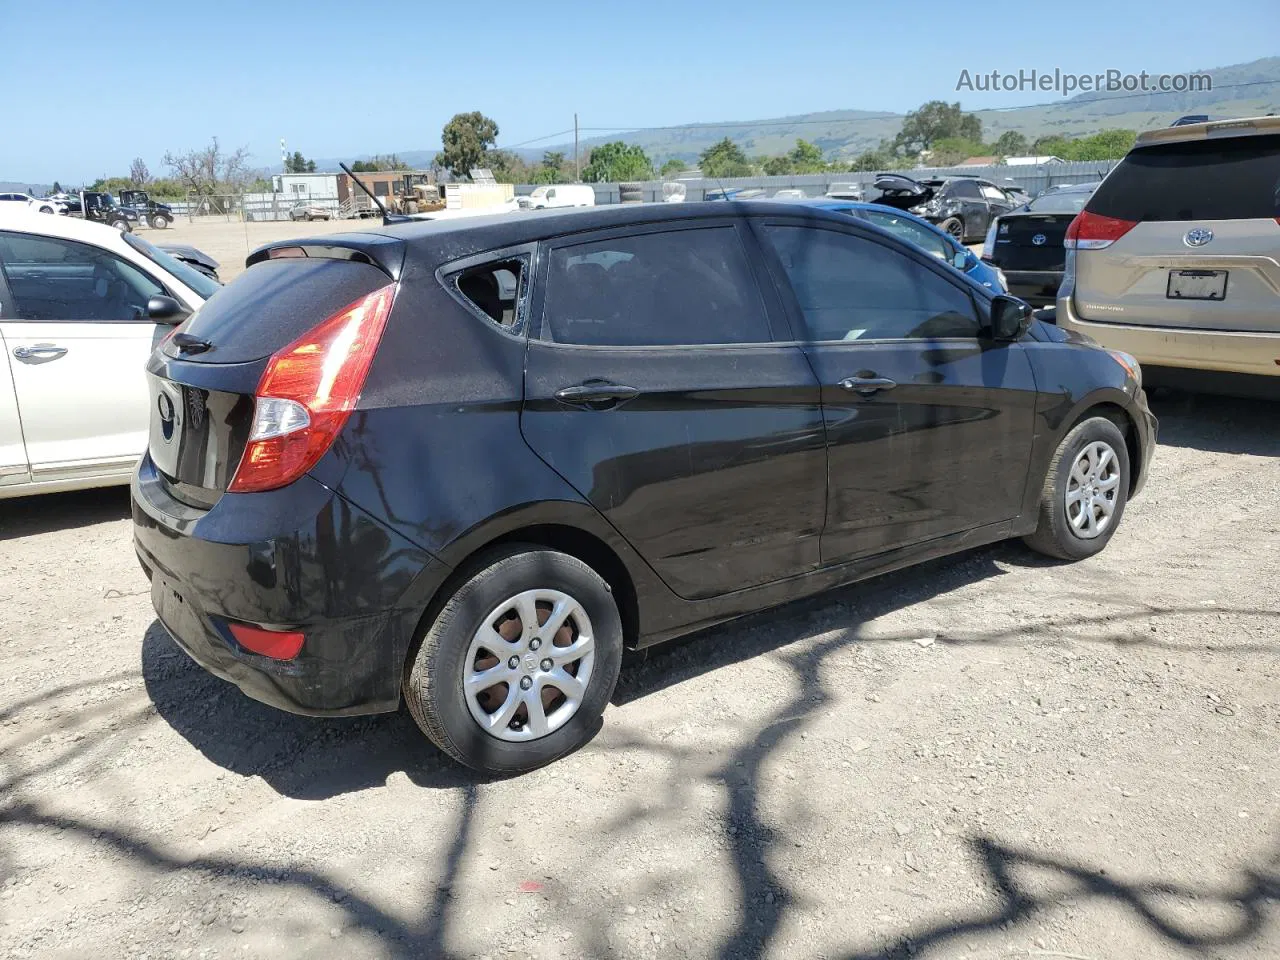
{"points": [[301, 757]]}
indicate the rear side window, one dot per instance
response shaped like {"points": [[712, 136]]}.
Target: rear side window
{"points": [[1235, 179], [679, 287], [849, 288]]}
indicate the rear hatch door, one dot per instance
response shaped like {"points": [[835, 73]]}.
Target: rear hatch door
{"points": [[1031, 241], [902, 192], [203, 378], [1204, 250]]}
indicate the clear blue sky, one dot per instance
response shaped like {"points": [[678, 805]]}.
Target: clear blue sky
{"points": [[340, 79]]}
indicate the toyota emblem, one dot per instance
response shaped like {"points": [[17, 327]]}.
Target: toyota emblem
{"points": [[1039, 239], [1198, 237]]}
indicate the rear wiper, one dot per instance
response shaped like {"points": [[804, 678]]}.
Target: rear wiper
{"points": [[186, 343]]}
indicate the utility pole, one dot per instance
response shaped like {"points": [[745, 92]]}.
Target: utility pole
{"points": [[284, 157], [577, 164]]}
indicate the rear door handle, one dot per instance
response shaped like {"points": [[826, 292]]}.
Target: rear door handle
{"points": [[41, 351], [597, 393], [866, 386]]}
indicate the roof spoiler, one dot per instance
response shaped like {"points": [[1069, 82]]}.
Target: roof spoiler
{"points": [[385, 253], [1211, 130]]}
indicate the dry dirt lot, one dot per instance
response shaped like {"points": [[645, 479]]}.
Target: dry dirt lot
{"points": [[991, 756]]}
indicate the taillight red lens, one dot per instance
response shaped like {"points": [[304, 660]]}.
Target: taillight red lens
{"points": [[1092, 231], [276, 644], [307, 392]]}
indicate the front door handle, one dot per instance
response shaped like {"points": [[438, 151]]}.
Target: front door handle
{"points": [[41, 351], [597, 393], [866, 386]]}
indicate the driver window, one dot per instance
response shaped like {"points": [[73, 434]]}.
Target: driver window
{"points": [[52, 279]]}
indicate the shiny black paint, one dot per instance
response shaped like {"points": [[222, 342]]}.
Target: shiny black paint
{"points": [[437, 464]]}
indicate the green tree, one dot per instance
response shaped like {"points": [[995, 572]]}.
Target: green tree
{"points": [[873, 161], [1011, 143], [1106, 145], [507, 167], [778, 166], [311, 166], [807, 157], [616, 162], [933, 121], [949, 151], [724, 159], [672, 166], [467, 139]]}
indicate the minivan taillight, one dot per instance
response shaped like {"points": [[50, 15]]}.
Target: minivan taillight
{"points": [[306, 393], [1092, 231]]}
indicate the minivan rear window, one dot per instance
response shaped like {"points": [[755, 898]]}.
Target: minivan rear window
{"points": [[1235, 179]]}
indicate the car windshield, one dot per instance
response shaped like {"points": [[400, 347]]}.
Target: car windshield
{"points": [[539, 192], [197, 281], [1061, 201]]}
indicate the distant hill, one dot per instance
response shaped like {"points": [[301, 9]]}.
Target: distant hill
{"points": [[1247, 89], [25, 186]]}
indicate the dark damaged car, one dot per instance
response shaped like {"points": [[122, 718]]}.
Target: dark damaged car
{"points": [[465, 465], [962, 206]]}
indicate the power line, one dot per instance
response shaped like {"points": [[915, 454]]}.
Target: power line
{"points": [[884, 115]]}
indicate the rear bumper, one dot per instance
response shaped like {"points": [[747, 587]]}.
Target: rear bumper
{"points": [[1227, 352], [301, 558], [1038, 287]]}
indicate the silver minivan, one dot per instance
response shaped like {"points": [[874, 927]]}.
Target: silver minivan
{"points": [[1175, 259]]}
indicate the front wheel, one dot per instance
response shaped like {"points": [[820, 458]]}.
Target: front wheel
{"points": [[159, 221], [520, 663], [122, 225], [1084, 493]]}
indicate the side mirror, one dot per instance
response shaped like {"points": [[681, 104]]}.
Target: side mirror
{"points": [[961, 259], [1010, 318], [165, 310]]}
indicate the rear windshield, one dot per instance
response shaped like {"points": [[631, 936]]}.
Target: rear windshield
{"points": [[1070, 201], [1236, 179]]}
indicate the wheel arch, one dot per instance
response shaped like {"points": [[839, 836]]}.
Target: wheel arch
{"points": [[1114, 410]]}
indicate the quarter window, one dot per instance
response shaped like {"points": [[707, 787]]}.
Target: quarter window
{"points": [[851, 288], [497, 290], [680, 287], [54, 279], [992, 192]]}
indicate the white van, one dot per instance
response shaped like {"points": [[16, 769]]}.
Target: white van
{"points": [[560, 195]]}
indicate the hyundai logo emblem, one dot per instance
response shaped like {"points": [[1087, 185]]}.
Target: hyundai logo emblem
{"points": [[1198, 237], [1039, 239]]}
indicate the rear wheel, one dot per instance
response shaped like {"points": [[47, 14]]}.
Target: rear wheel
{"points": [[953, 226], [517, 668], [120, 225], [1084, 492]]}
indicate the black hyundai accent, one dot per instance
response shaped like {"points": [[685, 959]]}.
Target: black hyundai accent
{"points": [[466, 464]]}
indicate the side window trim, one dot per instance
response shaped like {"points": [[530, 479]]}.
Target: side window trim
{"points": [[10, 309], [791, 305], [770, 304]]}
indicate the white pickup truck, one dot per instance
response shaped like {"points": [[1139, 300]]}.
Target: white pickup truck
{"points": [[81, 307]]}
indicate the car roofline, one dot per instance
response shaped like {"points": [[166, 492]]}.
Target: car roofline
{"points": [[1210, 130]]}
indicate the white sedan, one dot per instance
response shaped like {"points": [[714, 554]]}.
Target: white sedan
{"points": [[23, 201], [81, 308]]}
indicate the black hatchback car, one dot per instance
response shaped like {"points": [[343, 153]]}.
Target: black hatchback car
{"points": [[466, 464]]}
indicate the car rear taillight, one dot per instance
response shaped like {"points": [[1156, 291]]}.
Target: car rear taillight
{"points": [[1092, 231], [276, 644], [306, 393]]}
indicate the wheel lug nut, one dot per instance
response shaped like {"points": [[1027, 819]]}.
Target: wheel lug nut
{"points": [[526, 683], [513, 663], [535, 643], [546, 665]]}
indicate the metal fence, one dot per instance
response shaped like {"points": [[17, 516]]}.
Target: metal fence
{"points": [[1033, 179]]}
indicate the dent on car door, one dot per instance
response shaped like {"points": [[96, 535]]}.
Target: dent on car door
{"points": [[929, 422], [76, 344], [655, 388]]}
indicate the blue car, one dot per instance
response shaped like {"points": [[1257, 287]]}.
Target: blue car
{"points": [[923, 234]]}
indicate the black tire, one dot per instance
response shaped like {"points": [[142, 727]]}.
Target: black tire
{"points": [[121, 225], [954, 226], [433, 686], [47, 209], [1055, 536], [160, 221]]}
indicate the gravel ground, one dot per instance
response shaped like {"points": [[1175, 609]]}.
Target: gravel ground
{"points": [[985, 757]]}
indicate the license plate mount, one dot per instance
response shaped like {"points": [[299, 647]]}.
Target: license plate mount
{"points": [[1197, 285]]}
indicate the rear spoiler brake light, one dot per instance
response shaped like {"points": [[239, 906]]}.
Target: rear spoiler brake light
{"points": [[377, 250]]}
